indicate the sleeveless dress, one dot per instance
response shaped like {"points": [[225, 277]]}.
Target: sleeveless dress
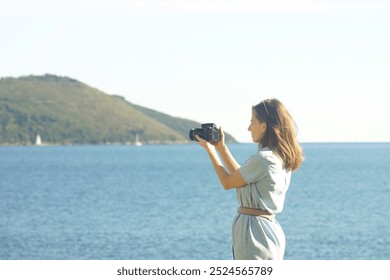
{"points": [[267, 183]]}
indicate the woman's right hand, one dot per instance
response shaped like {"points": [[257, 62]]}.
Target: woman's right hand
{"points": [[221, 143]]}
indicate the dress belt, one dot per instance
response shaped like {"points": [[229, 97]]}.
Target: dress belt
{"points": [[256, 212]]}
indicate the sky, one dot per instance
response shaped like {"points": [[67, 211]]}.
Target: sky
{"points": [[328, 61]]}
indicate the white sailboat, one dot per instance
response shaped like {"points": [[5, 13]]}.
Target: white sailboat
{"points": [[38, 141], [137, 142]]}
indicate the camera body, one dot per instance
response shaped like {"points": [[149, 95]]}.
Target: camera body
{"points": [[208, 132]]}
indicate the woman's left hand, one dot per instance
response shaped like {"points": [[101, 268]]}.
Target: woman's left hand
{"points": [[205, 144]]}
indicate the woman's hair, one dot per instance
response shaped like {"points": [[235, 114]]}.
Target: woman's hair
{"points": [[281, 134]]}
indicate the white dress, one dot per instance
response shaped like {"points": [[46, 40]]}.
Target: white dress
{"points": [[267, 183]]}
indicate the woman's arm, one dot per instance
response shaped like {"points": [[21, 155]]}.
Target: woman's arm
{"points": [[228, 181], [230, 163]]}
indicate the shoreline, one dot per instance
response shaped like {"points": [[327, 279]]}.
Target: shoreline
{"points": [[184, 143]]}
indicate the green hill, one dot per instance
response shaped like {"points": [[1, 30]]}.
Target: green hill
{"points": [[65, 111]]}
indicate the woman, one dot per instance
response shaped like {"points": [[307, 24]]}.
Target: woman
{"points": [[262, 182]]}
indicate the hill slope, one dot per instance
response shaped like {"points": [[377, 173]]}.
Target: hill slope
{"points": [[66, 111], [182, 126]]}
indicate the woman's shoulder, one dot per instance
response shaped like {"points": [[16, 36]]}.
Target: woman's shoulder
{"points": [[267, 156], [264, 153]]}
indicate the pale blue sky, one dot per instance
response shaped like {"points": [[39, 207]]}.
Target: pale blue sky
{"points": [[210, 61]]}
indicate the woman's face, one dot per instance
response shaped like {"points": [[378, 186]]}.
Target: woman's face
{"points": [[257, 128]]}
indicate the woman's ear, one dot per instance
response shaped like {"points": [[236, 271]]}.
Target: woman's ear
{"points": [[264, 126]]}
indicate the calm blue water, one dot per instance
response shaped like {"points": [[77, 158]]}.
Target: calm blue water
{"points": [[165, 202]]}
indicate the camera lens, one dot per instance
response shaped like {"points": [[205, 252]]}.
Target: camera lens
{"points": [[195, 131], [191, 135]]}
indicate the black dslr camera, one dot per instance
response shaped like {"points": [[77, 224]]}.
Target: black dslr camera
{"points": [[208, 132]]}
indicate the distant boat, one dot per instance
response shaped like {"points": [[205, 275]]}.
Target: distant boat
{"points": [[137, 142], [38, 141]]}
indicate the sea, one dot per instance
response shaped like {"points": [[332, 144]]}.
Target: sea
{"points": [[164, 202]]}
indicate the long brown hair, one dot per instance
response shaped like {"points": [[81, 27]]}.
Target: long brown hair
{"points": [[281, 133]]}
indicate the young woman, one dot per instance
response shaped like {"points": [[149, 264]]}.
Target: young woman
{"points": [[262, 182]]}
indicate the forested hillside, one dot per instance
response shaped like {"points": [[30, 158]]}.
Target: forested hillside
{"points": [[65, 111]]}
